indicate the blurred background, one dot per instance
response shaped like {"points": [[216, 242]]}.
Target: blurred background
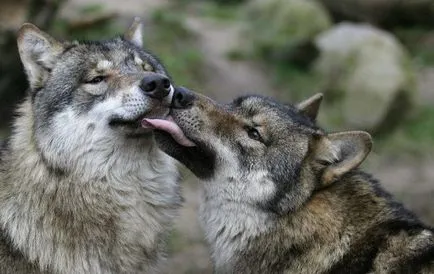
{"points": [[373, 60]]}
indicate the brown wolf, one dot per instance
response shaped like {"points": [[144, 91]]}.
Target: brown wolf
{"points": [[281, 195]]}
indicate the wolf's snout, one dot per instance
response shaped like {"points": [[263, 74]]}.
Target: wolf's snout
{"points": [[156, 86], [182, 98]]}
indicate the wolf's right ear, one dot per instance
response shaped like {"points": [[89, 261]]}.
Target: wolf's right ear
{"points": [[310, 106], [38, 53], [339, 153], [134, 33]]}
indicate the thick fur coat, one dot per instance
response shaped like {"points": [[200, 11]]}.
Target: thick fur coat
{"points": [[280, 195], [83, 188]]}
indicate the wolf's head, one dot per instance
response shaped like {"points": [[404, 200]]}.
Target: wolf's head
{"points": [[258, 151], [86, 93]]}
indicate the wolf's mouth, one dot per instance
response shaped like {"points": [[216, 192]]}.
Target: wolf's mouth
{"points": [[197, 156], [170, 127], [119, 122]]}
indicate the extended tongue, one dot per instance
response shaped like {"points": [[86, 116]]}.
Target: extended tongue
{"points": [[170, 127]]}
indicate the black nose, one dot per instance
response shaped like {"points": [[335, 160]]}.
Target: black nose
{"points": [[156, 86], [182, 98]]}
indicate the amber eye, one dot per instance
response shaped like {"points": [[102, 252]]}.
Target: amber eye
{"points": [[254, 134], [148, 67], [96, 80]]}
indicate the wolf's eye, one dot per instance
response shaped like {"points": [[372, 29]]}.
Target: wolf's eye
{"points": [[96, 80], [254, 134], [147, 67]]}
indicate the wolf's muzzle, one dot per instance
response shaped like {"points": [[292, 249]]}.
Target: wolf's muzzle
{"points": [[182, 98], [156, 86]]}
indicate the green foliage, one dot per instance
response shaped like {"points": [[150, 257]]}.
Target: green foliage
{"points": [[227, 2], [297, 82], [419, 42], [420, 127], [237, 54], [170, 25], [212, 9], [215, 10], [91, 9], [99, 30], [277, 27], [102, 28], [170, 40], [414, 136]]}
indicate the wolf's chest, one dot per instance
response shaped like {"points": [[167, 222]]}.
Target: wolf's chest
{"points": [[229, 229]]}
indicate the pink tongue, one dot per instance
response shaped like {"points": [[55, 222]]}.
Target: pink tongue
{"points": [[170, 127]]}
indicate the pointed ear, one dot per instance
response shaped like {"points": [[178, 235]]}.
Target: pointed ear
{"points": [[38, 53], [339, 153], [135, 33], [310, 106]]}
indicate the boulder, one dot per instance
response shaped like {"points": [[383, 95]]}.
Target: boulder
{"points": [[278, 27], [369, 73]]}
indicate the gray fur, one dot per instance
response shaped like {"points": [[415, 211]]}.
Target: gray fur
{"points": [[85, 189], [291, 199]]}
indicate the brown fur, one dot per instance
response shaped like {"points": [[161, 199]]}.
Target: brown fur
{"points": [[283, 196]]}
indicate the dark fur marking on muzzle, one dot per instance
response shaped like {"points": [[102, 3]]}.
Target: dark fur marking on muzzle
{"points": [[199, 159]]}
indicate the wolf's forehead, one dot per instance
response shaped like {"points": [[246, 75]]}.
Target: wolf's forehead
{"points": [[114, 51], [262, 106], [272, 112], [111, 57]]}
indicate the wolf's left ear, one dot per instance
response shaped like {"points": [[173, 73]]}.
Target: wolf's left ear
{"points": [[38, 52], [310, 106], [339, 153], [134, 33]]}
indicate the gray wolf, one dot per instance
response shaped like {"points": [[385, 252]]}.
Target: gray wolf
{"points": [[83, 187], [281, 195]]}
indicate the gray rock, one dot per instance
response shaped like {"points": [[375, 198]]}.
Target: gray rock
{"points": [[370, 74]]}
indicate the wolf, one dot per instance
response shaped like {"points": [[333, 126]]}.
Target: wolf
{"points": [[83, 187], [282, 195]]}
